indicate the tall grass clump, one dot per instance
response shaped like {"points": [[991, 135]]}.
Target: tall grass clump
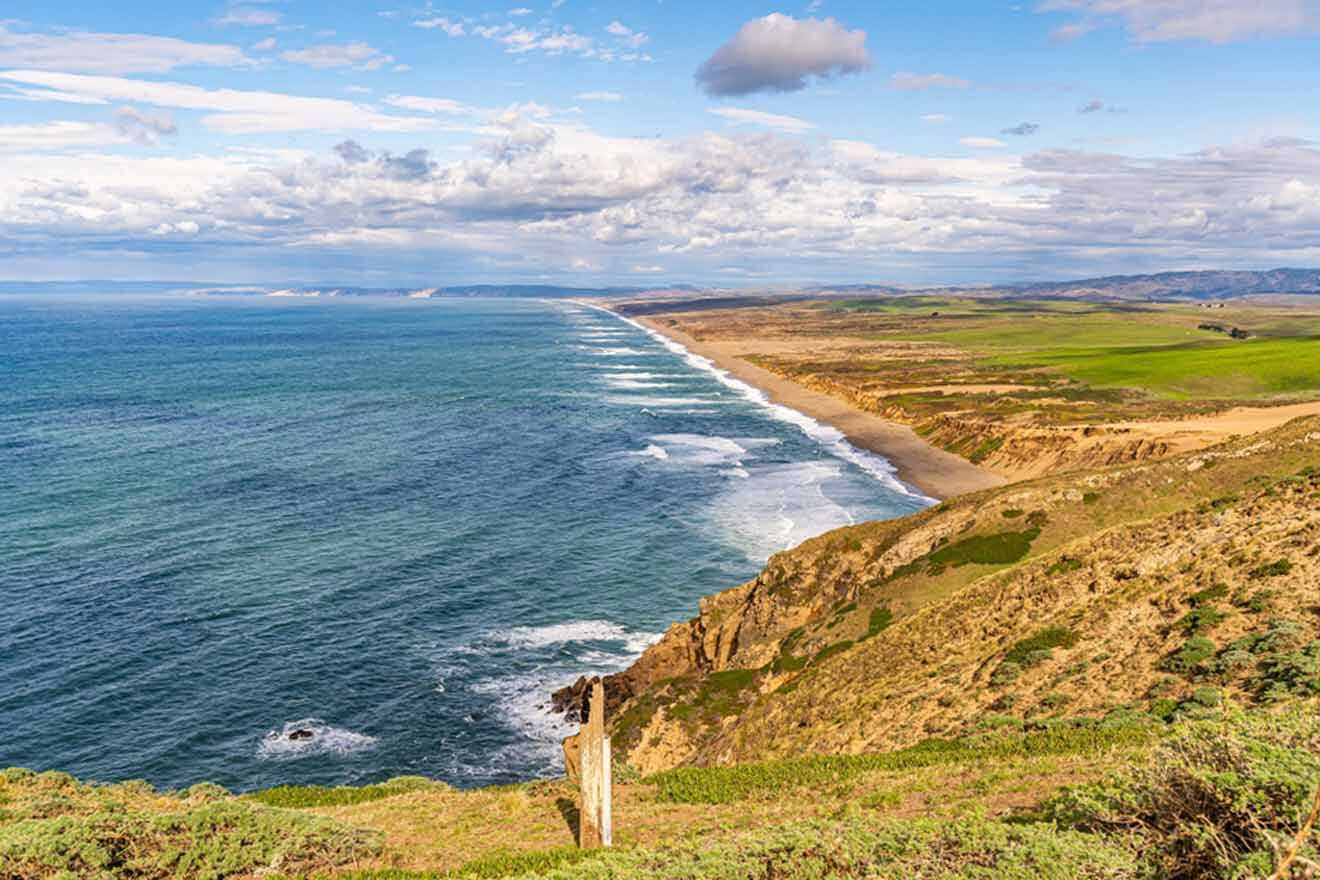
{"points": [[1218, 800]]}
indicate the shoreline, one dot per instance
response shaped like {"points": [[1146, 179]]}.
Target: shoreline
{"points": [[927, 468]]}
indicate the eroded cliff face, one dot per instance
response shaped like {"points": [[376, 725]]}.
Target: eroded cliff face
{"points": [[1019, 447], [884, 634]]}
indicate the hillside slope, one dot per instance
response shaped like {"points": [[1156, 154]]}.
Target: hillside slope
{"points": [[1153, 587]]}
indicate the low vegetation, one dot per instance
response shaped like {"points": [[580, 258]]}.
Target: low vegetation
{"points": [[53, 826]]}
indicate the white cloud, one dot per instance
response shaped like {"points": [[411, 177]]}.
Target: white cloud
{"points": [[449, 26], [89, 52], [1210, 21], [937, 118], [229, 110], [626, 35], [779, 53], [532, 193], [519, 12], [765, 120], [58, 135], [428, 105], [249, 17], [981, 143], [605, 97], [265, 45], [357, 54], [918, 82]]}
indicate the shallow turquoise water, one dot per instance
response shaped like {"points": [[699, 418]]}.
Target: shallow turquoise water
{"points": [[398, 524]]}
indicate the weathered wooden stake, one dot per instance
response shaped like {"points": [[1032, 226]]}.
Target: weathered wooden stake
{"points": [[594, 826]]}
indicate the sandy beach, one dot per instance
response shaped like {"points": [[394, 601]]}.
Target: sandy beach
{"points": [[935, 472]]}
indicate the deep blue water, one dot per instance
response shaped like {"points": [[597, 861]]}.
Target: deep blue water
{"points": [[397, 523]]}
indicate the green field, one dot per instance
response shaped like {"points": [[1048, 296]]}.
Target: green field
{"points": [[1248, 369]]}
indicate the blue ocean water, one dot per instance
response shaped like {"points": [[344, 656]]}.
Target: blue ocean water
{"points": [[397, 524]]}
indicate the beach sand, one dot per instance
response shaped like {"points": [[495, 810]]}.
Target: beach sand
{"points": [[935, 472]]}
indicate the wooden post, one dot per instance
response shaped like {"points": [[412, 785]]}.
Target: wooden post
{"points": [[594, 825]]}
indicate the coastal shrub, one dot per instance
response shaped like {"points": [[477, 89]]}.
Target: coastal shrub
{"points": [[1277, 568], [1208, 595], [58, 827], [1211, 799], [1187, 658], [830, 650], [787, 663], [1003, 548], [1005, 673], [1064, 565], [1040, 646], [881, 618], [1200, 619], [1256, 603]]}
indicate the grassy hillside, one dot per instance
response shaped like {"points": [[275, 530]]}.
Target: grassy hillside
{"points": [[1153, 588], [1217, 797]]}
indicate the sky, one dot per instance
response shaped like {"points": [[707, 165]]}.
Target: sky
{"points": [[656, 142]]}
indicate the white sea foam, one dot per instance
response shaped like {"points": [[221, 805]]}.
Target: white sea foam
{"points": [[572, 631], [829, 437], [656, 452], [290, 742], [775, 507], [596, 647], [635, 384], [617, 352], [662, 402]]}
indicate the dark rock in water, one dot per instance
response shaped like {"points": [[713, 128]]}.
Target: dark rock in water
{"points": [[572, 701], [300, 734]]}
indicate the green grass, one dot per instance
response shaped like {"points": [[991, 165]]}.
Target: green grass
{"points": [[304, 796], [1003, 548], [1215, 369], [851, 846], [717, 785]]}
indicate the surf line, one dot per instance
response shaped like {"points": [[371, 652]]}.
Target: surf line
{"points": [[829, 437]]}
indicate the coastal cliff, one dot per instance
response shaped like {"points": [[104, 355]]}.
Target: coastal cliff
{"points": [[1144, 587]]}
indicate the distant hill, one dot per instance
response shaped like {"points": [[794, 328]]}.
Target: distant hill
{"points": [[1194, 285]]}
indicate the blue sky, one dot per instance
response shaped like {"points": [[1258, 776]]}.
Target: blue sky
{"points": [[656, 142]]}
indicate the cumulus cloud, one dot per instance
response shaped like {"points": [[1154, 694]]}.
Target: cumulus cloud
{"points": [[228, 110], [981, 143], [1209, 21], [357, 54], [920, 82], [89, 52], [605, 97], [765, 120], [144, 128], [535, 193], [1024, 129], [779, 53]]}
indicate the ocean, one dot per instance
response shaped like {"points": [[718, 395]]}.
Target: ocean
{"points": [[397, 525]]}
